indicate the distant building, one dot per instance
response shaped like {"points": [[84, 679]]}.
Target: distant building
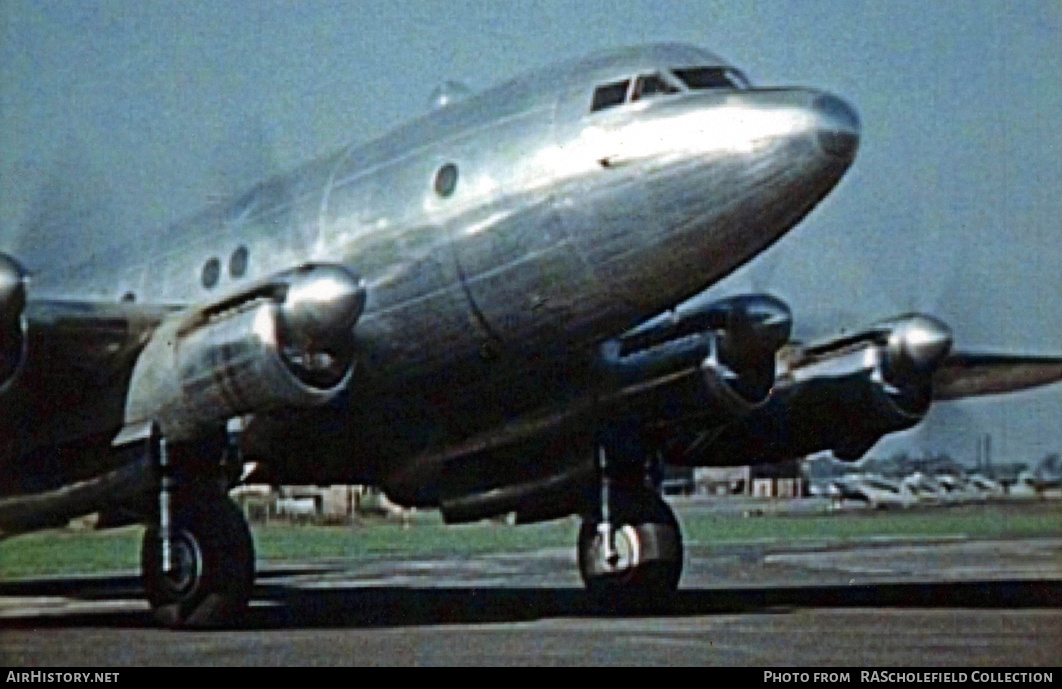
{"points": [[337, 503], [678, 480], [722, 480], [783, 480], [789, 487]]}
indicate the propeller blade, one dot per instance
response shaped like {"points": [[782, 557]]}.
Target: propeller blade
{"points": [[74, 211], [972, 375], [13, 278], [245, 156]]}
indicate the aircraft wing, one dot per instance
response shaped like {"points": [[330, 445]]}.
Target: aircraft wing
{"points": [[95, 337], [68, 367], [970, 375], [58, 355], [845, 393], [719, 383]]}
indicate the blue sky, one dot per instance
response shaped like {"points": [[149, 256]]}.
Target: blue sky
{"points": [[953, 204]]}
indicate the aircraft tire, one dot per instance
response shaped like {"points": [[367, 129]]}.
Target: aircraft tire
{"points": [[214, 565], [648, 550]]}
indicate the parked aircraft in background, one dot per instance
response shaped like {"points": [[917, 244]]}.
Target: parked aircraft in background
{"points": [[493, 309], [984, 487], [873, 491], [1046, 476], [927, 488]]}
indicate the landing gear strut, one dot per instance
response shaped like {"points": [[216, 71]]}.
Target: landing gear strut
{"points": [[632, 545], [211, 571], [197, 558]]}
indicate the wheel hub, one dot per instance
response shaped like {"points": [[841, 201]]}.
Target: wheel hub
{"points": [[186, 566], [616, 550]]}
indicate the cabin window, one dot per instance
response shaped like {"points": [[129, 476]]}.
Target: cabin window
{"points": [[238, 262], [211, 273], [610, 95], [698, 78], [446, 180], [651, 85]]}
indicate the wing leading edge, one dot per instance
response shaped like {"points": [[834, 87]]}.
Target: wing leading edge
{"points": [[845, 393]]}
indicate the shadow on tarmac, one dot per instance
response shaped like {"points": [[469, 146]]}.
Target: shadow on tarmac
{"points": [[279, 606]]}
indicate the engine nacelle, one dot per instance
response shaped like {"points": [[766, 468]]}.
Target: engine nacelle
{"points": [[12, 323], [286, 344], [713, 360], [841, 395], [899, 356]]}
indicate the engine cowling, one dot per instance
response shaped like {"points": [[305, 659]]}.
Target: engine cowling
{"points": [[842, 395], [703, 359], [286, 343], [898, 357], [12, 323]]}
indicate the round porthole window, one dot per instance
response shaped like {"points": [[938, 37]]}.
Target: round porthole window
{"points": [[238, 262], [446, 180], [211, 273]]}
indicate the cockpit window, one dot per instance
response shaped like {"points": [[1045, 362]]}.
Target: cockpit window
{"points": [[610, 95], [712, 78], [651, 85]]}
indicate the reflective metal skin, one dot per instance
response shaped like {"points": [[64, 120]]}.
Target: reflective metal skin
{"points": [[844, 394], [734, 341], [322, 303], [539, 251], [12, 303], [917, 345], [250, 354], [494, 308], [12, 289], [839, 133]]}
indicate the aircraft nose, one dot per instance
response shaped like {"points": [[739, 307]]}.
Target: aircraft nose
{"points": [[837, 129]]}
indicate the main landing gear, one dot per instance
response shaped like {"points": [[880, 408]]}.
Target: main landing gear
{"points": [[630, 546], [198, 557], [211, 569]]}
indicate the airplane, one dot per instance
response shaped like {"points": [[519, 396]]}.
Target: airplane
{"points": [[874, 491], [497, 308], [984, 488], [1046, 476]]}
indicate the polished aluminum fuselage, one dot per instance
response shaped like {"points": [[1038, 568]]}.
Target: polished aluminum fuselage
{"points": [[564, 228]]}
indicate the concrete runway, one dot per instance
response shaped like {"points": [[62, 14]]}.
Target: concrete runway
{"points": [[887, 603]]}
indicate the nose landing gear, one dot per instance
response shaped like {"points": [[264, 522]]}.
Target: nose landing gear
{"points": [[639, 553], [632, 545]]}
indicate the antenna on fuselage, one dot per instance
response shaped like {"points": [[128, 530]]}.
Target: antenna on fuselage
{"points": [[448, 93]]}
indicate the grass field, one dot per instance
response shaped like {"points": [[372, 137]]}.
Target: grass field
{"points": [[65, 552], [998, 520]]}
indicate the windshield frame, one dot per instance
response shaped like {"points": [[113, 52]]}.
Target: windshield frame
{"points": [[724, 78]]}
